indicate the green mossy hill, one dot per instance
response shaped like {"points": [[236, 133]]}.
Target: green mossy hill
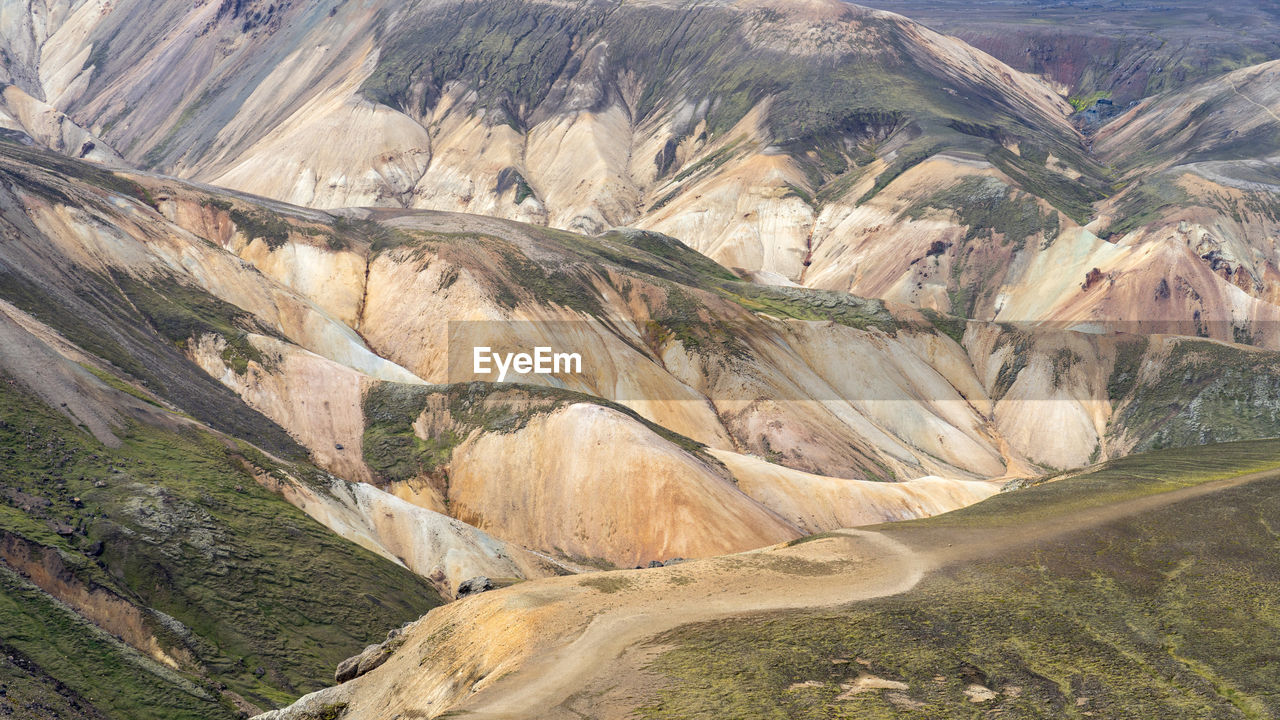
{"points": [[989, 208], [807, 304], [141, 326], [835, 106], [1126, 478], [1205, 392], [393, 450], [72, 669], [255, 594], [1166, 614]]}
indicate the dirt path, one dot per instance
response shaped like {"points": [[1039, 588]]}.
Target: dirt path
{"points": [[851, 565], [577, 646], [581, 676]]}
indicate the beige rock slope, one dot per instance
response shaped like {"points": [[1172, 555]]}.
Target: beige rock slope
{"points": [[337, 329], [815, 503], [442, 549], [932, 175], [31, 120], [625, 490], [651, 502]]}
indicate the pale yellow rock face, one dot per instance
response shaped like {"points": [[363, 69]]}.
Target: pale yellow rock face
{"points": [[336, 149], [468, 155], [317, 400], [562, 483], [581, 169], [50, 127], [444, 550], [744, 217], [333, 280], [1055, 413], [816, 504]]}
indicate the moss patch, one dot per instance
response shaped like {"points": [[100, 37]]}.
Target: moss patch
{"points": [[269, 601], [1168, 614], [395, 452]]}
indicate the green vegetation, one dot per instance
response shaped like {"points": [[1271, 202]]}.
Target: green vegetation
{"points": [[1074, 197], [181, 312], [1143, 203], [1128, 478], [1084, 102], [48, 306], [393, 450], [608, 584], [121, 385], [1124, 373], [1063, 359], [272, 229], [686, 318], [1169, 613], [1205, 392], [567, 287], [1016, 360], [806, 304], [949, 325], [988, 207], [256, 594], [709, 163], [65, 661], [641, 251]]}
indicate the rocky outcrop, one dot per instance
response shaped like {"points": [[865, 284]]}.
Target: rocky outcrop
{"points": [[474, 586], [371, 657]]}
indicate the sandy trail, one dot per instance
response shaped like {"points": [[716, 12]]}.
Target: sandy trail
{"points": [[580, 677], [858, 565]]}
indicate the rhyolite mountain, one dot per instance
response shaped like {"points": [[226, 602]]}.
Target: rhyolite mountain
{"points": [[815, 143], [827, 267]]}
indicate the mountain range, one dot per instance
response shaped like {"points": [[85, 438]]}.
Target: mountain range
{"points": [[826, 267]]}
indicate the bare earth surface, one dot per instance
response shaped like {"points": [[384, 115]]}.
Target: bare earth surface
{"points": [[599, 671]]}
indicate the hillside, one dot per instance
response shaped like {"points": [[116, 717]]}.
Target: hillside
{"points": [[820, 144], [1121, 51], [1140, 589], [903, 372]]}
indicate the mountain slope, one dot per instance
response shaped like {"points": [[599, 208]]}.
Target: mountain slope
{"points": [[212, 594], [679, 356], [1103, 587], [1120, 51], [821, 144]]}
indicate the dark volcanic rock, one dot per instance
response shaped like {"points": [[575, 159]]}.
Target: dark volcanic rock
{"points": [[474, 586]]}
